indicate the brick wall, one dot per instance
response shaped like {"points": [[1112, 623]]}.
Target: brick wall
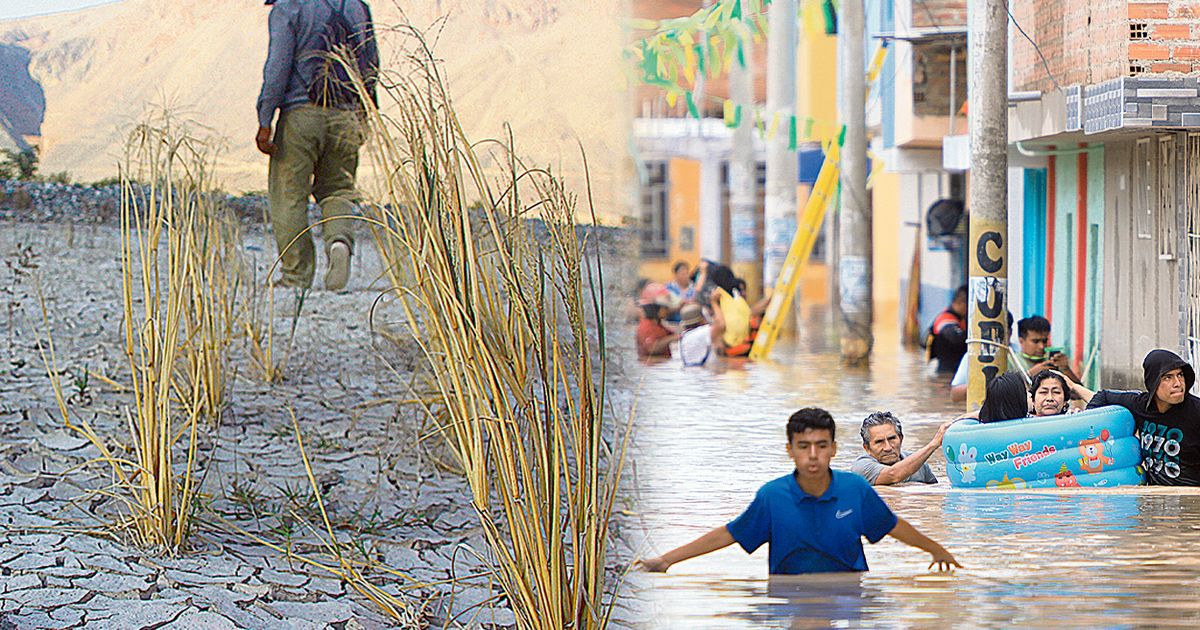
{"points": [[1042, 20], [1082, 41], [939, 13], [1091, 41], [1164, 36]]}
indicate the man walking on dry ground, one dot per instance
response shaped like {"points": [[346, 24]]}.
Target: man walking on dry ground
{"points": [[314, 150]]}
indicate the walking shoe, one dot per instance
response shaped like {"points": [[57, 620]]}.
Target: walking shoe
{"points": [[339, 266]]}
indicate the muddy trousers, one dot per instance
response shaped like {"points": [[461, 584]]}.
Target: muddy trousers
{"points": [[316, 153]]}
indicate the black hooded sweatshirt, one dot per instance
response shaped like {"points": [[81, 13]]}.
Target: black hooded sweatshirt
{"points": [[1170, 440]]}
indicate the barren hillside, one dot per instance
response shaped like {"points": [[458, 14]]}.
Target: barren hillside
{"points": [[547, 67]]}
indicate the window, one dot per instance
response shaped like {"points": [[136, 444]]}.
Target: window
{"points": [[1143, 189], [656, 235], [1192, 215], [1166, 198]]}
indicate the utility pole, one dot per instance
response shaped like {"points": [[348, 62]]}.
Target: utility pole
{"points": [[855, 237], [987, 251], [780, 207], [743, 178]]}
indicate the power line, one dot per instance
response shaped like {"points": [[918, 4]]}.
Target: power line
{"points": [[1049, 74]]}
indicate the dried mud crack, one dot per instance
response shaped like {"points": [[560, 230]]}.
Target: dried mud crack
{"points": [[390, 499]]}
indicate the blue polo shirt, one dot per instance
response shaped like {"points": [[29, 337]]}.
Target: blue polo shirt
{"points": [[814, 534]]}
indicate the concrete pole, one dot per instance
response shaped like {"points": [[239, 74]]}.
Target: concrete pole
{"points": [[743, 179], [780, 207], [855, 238], [987, 247]]}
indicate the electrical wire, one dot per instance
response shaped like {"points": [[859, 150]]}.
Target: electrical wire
{"points": [[932, 20], [1037, 48]]}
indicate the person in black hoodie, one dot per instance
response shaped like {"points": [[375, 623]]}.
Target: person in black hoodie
{"points": [[1167, 417]]}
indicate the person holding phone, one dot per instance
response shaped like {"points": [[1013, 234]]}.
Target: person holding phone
{"points": [[1033, 337], [1030, 354]]}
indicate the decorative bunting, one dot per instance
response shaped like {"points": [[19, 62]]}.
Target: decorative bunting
{"points": [[691, 105], [733, 114]]}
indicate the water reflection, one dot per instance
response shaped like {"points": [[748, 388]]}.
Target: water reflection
{"points": [[1064, 558]]}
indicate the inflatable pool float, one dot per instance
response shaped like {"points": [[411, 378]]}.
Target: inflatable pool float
{"points": [[1093, 448]]}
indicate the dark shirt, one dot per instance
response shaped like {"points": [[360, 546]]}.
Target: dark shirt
{"points": [[295, 27], [948, 340], [1170, 439]]}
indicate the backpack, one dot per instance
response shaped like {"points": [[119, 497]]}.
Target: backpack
{"points": [[329, 84]]}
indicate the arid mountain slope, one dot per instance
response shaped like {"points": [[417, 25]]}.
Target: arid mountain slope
{"points": [[548, 68]]}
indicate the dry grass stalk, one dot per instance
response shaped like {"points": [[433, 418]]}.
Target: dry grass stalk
{"points": [[178, 322], [177, 317], [503, 318], [260, 338]]}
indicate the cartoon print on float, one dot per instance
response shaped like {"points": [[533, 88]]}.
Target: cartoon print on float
{"points": [[1064, 478], [1092, 450], [1015, 483], [964, 462], [1096, 449]]}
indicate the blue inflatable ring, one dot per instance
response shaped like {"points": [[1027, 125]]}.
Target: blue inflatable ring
{"points": [[1093, 448]]}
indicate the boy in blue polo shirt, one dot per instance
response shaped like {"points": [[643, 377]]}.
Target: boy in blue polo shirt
{"points": [[814, 518]]}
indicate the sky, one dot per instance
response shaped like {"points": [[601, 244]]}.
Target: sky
{"points": [[13, 9]]}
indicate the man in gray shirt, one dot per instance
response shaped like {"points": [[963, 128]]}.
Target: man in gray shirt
{"points": [[884, 464], [314, 150]]}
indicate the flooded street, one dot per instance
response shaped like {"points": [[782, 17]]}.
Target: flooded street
{"points": [[708, 438]]}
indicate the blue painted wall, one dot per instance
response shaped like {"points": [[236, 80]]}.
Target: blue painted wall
{"points": [[1033, 252]]}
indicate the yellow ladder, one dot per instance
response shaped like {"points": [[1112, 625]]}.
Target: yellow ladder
{"points": [[806, 232], [806, 235]]}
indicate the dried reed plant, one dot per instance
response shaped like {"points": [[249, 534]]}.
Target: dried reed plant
{"points": [[509, 318], [260, 335], [178, 316], [180, 276]]}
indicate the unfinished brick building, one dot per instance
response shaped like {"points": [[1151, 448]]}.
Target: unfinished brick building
{"points": [[1105, 120]]}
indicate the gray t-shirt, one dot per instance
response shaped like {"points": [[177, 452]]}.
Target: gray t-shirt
{"points": [[870, 468]]}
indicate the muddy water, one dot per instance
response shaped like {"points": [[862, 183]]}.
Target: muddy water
{"points": [[709, 437]]}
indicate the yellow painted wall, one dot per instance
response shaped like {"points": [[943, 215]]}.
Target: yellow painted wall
{"points": [[685, 209], [816, 80], [886, 247]]}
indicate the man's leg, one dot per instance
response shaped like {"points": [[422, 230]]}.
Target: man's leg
{"points": [[334, 187], [289, 184]]}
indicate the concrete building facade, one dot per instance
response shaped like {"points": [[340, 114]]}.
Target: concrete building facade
{"points": [[1108, 96]]}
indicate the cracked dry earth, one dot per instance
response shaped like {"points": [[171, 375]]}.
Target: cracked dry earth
{"points": [[63, 566]]}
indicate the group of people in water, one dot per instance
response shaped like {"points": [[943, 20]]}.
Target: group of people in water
{"points": [[814, 518], [703, 309], [1040, 382]]}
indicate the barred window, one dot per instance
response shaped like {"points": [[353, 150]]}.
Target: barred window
{"points": [[1166, 218], [656, 233], [1143, 189], [1192, 215]]}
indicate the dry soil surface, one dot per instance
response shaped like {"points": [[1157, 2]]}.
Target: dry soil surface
{"points": [[387, 492]]}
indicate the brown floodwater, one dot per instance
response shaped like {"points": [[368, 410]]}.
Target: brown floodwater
{"points": [[707, 438]]}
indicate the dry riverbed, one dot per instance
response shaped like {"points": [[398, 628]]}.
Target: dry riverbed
{"points": [[390, 495]]}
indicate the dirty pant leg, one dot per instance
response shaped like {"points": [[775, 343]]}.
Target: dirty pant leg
{"points": [[298, 138], [334, 176]]}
